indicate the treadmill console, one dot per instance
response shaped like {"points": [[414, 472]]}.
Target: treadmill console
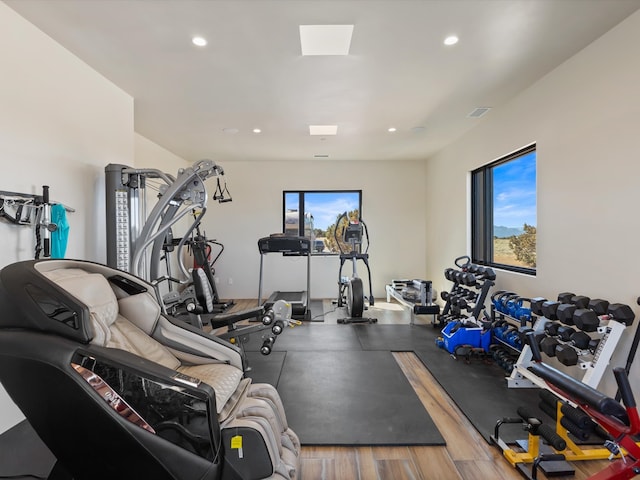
{"points": [[279, 243]]}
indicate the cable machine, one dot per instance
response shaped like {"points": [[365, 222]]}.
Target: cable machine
{"points": [[135, 240]]}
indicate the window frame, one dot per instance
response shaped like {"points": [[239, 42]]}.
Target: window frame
{"points": [[302, 212], [482, 212]]}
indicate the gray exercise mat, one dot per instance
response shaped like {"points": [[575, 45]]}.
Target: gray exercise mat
{"points": [[353, 398], [395, 338], [265, 368]]}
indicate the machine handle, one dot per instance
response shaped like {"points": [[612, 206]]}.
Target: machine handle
{"points": [[625, 387], [535, 348]]}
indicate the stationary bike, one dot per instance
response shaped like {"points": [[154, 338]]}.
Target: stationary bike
{"points": [[350, 290]]}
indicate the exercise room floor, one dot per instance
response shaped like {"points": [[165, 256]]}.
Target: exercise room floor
{"points": [[467, 455]]}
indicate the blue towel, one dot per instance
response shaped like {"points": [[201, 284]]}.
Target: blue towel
{"points": [[60, 235]]}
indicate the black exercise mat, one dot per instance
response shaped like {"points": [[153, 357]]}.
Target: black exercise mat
{"points": [[23, 454], [310, 336], [353, 398], [265, 368], [480, 391], [395, 338]]}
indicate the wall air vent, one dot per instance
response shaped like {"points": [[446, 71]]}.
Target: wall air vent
{"points": [[478, 112]]}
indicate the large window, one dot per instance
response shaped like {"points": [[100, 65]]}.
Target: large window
{"points": [[319, 211], [503, 206]]}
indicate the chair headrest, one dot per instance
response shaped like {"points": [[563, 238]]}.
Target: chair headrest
{"points": [[94, 291]]}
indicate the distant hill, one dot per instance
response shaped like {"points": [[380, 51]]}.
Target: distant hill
{"points": [[504, 232]]}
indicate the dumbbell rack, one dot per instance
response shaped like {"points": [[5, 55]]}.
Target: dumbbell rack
{"points": [[594, 369], [516, 323], [464, 280]]}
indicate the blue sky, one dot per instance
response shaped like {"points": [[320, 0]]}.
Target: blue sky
{"points": [[514, 192], [324, 206]]}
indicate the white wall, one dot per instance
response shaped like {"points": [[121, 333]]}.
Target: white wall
{"points": [[585, 118], [393, 206], [151, 155], [60, 124]]}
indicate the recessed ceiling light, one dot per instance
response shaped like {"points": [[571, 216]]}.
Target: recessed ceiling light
{"points": [[451, 40], [391, 129], [478, 112], [321, 155], [199, 41], [325, 39], [323, 129], [257, 130]]}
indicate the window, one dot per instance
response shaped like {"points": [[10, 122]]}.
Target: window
{"points": [[320, 211], [503, 212]]}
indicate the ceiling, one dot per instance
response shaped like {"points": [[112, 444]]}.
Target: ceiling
{"points": [[398, 73]]}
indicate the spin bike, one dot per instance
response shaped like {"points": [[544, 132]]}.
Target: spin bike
{"points": [[350, 290]]}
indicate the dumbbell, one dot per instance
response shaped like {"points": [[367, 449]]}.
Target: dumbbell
{"points": [[486, 273], [536, 306], [565, 312], [588, 320], [567, 353], [447, 273], [565, 297], [580, 301], [514, 308], [504, 302], [548, 346], [550, 309], [551, 328], [496, 296]]}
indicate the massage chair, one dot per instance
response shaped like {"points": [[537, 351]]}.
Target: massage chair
{"points": [[117, 390]]}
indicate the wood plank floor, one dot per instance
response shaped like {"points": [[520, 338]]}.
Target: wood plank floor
{"points": [[466, 456]]}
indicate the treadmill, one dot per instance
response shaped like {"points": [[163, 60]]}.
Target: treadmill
{"points": [[290, 246]]}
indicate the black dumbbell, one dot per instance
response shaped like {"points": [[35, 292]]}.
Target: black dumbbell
{"points": [[565, 297], [598, 305], [621, 313], [580, 301], [565, 332], [565, 312], [551, 328], [548, 346], [550, 309], [566, 354], [536, 306], [588, 320]]}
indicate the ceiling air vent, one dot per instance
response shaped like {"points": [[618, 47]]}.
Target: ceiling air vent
{"points": [[479, 112]]}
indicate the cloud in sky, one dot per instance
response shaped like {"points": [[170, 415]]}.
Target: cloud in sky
{"points": [[514, 192], [326, 206]]}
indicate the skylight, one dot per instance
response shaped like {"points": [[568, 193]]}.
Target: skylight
{"points": [[325, 39]]}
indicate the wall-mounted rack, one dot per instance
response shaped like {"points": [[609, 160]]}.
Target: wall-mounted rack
{"points": [[31, 210]]}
